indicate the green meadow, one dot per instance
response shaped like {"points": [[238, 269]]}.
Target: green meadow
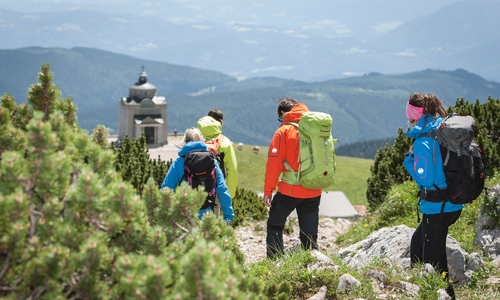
{"points": [[352, 173]]}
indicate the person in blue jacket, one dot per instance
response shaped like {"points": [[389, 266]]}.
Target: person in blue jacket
{"points": [[423, 162], [194, 141]]}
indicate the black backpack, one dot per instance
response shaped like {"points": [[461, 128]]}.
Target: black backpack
{"points": [[199, 169], [462, 164]]}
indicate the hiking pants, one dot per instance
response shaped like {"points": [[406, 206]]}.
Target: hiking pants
{"points": [[282, 207], [428, 243]]}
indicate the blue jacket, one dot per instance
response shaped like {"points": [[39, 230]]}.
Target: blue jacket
{"points": [[176, 171], [421, 164]]}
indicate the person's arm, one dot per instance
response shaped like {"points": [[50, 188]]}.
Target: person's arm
{"points": [[231, 166], [174, 174], [274, 165], [224, 196], [421, 166]]}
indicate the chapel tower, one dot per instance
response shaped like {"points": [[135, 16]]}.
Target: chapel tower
{"points": [[143, 113]]}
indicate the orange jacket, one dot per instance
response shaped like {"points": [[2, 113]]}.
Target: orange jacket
{"points": [[285, 144]]}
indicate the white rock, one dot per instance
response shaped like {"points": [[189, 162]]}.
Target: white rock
{"points": [[347, 283], [394, 243], [409, 288], [320, 295], [376, 274], [443, 295]]}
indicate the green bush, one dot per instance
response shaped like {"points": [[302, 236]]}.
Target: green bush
{"points": [[71, 228], [135, 165], [388, 170], [247, 205]]}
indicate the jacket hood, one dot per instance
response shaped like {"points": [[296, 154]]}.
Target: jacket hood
{"points": [[192, 146], [295, 114], [209, 126], [423, 127]]}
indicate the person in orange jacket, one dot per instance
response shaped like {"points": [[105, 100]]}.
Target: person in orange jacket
{"points": [[285, 145]]}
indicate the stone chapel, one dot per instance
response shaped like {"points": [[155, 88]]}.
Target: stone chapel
{"points": [[143, 113]]}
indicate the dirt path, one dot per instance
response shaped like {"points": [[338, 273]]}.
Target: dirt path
{"points": [[252, 238]]}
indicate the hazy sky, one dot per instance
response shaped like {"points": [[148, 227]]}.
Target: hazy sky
{"points": [[361, 19]]}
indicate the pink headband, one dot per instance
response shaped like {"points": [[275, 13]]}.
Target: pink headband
{"points": [[413, 112]]}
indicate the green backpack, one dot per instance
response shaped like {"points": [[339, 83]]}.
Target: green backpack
{"points": [[317, 154]]}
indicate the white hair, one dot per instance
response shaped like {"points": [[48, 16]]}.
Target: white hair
{"points": [[193, 134]]}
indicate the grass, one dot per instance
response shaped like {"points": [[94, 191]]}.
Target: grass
{"points": [[352, 173]]}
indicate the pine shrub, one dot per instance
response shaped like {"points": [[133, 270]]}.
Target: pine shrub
{"points": [[247, 205], [387, 170], [71, 228], [135, 165]]}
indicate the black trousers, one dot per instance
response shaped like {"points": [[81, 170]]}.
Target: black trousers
{"points": [[308, 214], [428, 243]]}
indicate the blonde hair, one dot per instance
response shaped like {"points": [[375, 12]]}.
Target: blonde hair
{"points": [[193, 134]]}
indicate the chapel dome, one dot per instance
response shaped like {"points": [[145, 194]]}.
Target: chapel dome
{"points": [[142, 89]]}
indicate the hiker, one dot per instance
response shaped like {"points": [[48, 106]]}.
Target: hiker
{"points": [[428, 243], [176, 173], [285, 146], [211, 127]]}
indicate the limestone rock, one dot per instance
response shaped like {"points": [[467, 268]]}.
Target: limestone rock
{"points": [[493, 280], [376, 274], [429, 269], [443, 295], [321, 257], [319, 295], [489, 239], [496, 262], [394, 243], [409, 288], [347, 283]]}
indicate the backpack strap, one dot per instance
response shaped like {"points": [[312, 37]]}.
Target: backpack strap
{"points": [[183, 175], [433, 135], [291, 177]]}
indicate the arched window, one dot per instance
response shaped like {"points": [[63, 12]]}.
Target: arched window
{"points": [[147, 103]]}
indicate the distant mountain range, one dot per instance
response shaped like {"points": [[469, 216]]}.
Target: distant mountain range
{"points": [[363, 108], [315, 42]]}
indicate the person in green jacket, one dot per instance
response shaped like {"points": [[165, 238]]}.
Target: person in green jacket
{"points": [[211, 127]]}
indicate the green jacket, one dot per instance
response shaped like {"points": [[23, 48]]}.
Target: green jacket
{"points": [[211, 128]]}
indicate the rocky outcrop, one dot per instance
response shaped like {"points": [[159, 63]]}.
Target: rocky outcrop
{"points": [[486, 236], [394, 243]]}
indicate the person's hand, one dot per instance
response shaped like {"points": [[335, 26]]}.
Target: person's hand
{"points": [[268, 200], [411, 149]]}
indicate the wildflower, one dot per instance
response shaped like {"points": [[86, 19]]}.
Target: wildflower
{"points": [[366, 224], [443, 274]]}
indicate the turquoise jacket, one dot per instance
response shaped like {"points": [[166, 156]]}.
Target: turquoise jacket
{"points": [[176, 171], [422, 167]]}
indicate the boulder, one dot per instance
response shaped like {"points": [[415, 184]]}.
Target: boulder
{"points": [[394, 243]]}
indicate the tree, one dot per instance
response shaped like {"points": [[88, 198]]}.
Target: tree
{"points": [[387, 170], [71, 228]]}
